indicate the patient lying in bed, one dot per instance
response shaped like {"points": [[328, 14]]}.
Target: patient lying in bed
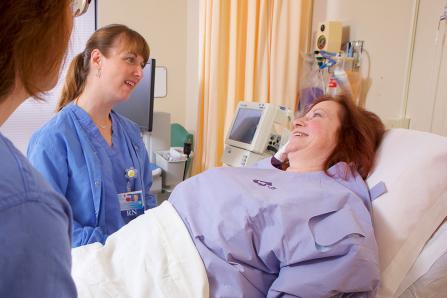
{"points": [[260, 231]]}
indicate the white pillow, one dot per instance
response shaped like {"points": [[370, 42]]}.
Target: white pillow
{"points": [[413, 166]]}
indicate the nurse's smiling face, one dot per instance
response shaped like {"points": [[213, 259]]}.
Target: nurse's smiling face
{"points": [[315, 134], [121, 70]]}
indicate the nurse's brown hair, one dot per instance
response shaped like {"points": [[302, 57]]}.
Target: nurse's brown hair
{"points": [[34, 37]]}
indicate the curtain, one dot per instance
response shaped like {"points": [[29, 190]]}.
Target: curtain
{"points": [[249, 50]]}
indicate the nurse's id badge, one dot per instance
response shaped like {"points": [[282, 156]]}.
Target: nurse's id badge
{"points": [[131, 204]]}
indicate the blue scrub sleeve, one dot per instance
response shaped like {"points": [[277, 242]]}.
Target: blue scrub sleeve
{"points": [[49, 164], [55, 170], [35, 253], [83, 235]]}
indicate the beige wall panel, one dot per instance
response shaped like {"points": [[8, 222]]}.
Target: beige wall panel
{"points": [[164, 25], [427, 98]]}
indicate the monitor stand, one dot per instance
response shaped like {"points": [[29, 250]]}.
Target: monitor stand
{"points": [[160, 137]]}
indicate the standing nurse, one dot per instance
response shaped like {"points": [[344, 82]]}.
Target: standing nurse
{"points": [[90, 154], [35, 221]]}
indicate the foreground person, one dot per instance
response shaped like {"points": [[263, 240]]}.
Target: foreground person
{"points": [[35, 221]]}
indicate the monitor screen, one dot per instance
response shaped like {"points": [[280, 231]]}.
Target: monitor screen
{"points": [[140, 105], [245, 125]]}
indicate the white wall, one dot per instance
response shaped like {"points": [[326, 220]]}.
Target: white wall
{"points": [[427, 97], [387, 29], [165, 26]]}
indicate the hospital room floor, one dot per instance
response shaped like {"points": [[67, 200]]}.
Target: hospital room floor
{"points": [[163, 196]]}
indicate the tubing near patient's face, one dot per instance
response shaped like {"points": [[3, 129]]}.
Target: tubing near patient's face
{"points": [[315, 134]]}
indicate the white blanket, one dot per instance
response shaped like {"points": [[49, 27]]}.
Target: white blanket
{"points": [[152, 256]]}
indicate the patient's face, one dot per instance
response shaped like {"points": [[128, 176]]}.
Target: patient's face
{"points": [[314, 135]]}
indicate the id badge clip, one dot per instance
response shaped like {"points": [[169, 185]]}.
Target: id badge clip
{"points": [[131, 202]]}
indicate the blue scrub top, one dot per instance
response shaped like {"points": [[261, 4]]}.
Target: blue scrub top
{"points": [[72, 154], [35, 231]]}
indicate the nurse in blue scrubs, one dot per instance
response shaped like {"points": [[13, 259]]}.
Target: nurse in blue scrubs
{"points": [[35, 221], [90, 154]]}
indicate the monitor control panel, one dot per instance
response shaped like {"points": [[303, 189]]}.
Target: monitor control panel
{"points": [[273, 143]]}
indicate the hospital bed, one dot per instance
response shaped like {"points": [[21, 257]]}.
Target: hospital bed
{"points": [[409, 221]]}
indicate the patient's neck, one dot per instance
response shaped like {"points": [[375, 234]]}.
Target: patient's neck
{"points": [[301, 163]]}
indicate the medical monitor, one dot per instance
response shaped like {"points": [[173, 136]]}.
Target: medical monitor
{"points": [[256, 127], [140, 105], [245, 125]]}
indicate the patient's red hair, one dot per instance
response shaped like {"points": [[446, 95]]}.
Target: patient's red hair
{"points": [[359, 136]]}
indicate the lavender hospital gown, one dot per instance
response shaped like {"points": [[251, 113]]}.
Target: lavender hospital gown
{"points": [[263, 232]]}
